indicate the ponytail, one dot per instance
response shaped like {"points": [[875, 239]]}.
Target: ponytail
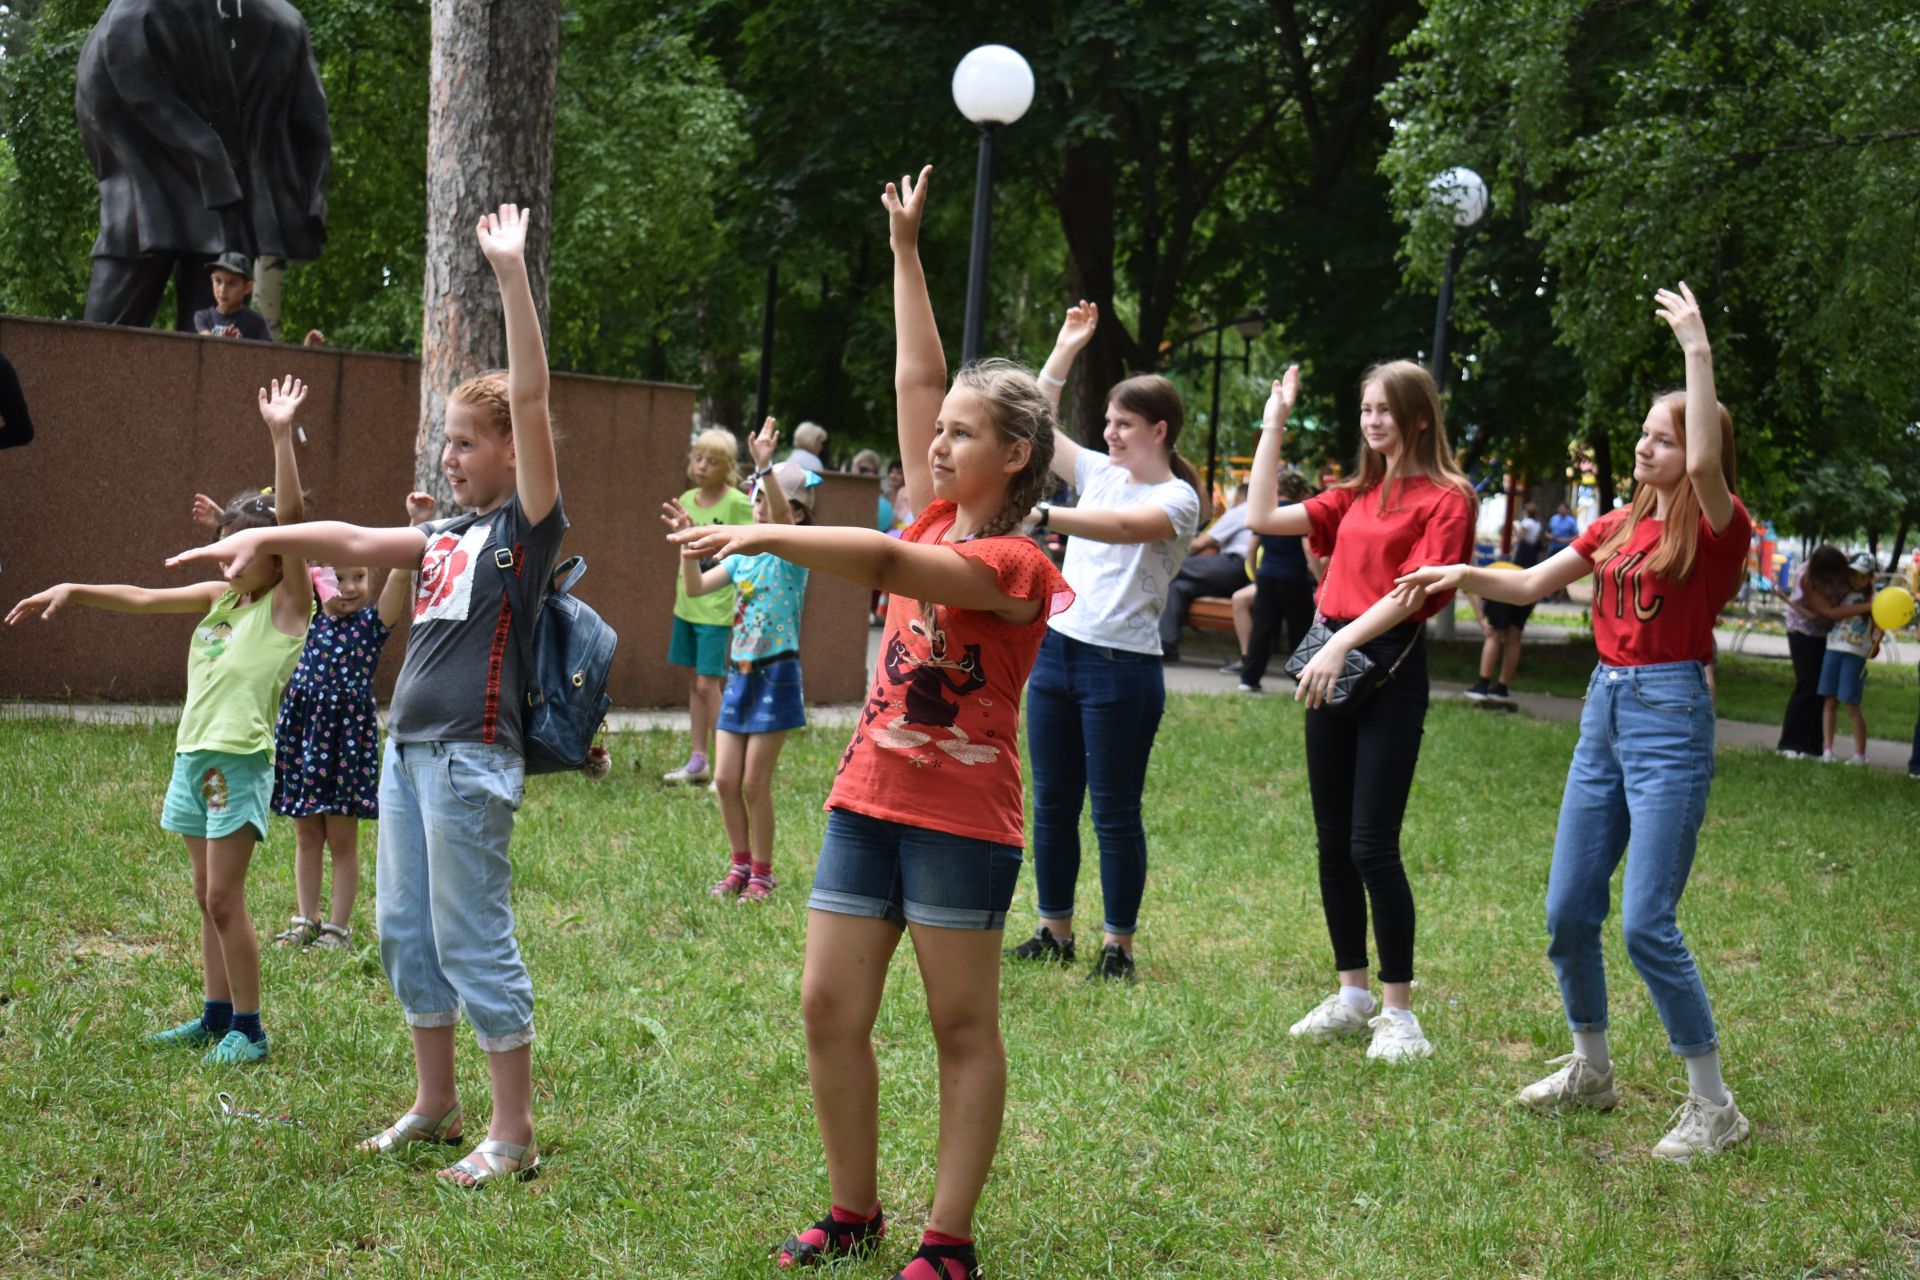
{"points": [[1184, 470]]}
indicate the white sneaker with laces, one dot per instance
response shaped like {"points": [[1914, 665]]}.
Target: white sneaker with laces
{"points": [[684, 774], [1330, 1018], [1397, 1037], [1575, 1084], [1702, 1129]]}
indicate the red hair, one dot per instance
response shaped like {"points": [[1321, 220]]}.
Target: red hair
{"points": [[487, 393]]}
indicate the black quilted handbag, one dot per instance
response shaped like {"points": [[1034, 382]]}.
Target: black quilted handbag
{"points": [[1360, 676]]}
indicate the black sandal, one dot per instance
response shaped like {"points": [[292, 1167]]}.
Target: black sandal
{"points": [[941, 1260], [831, 1238]]}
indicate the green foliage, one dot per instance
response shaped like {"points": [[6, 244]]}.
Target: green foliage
{"points": [[49, 202], [1765, 152]]}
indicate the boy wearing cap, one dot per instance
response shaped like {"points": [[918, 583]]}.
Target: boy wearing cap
{"points": [[1843, 672], [230, 316]]}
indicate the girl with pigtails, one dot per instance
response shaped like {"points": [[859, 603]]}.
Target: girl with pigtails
{"points": [[924, 832], [1663, 569]]}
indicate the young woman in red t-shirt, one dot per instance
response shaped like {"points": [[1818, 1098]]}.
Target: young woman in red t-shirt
{"points": [[1666, 566], [925, 818], [1406, 506]]}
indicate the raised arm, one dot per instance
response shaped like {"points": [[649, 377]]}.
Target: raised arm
{"points": [[503, 238], [1076, 331], [1704, 461], [761, 445], [919, 363], [329, 541], [396, 591], [1264, 512], [697, 581], [277, 408], [117, 598], [918, 571]]}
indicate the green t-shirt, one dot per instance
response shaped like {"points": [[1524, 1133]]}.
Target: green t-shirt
{"points": [[715, 609], [237, 665]]}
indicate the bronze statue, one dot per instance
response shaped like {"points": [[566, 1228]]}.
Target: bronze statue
{"points": [[206, 124]]}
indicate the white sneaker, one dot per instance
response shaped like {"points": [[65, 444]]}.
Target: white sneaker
{"points": [[1397, 1036], [1253, 689], [1330, 1018], [1856, 759], [1827, 756], [675, 777], [1702, 1129], [1575, 1084]]}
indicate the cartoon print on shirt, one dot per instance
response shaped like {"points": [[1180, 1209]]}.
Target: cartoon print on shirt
{"points": [[934, 685], [443, 589], [215, 638], [1622, 569]]}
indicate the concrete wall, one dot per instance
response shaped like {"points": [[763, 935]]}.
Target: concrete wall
{"points": [[131, 423]]}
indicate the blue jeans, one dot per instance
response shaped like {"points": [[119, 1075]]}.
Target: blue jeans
{"points": [[1638, 785], [1091, 716], [443, 885]]}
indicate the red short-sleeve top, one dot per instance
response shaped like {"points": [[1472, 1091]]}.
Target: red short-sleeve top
{"points": [[1427, 523], [1640, 619], [938, 745]]}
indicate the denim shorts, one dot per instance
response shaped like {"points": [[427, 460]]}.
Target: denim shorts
{"points": [[1843, 677], [901, 874], [767, 699], [699, 645], [213, 794]]}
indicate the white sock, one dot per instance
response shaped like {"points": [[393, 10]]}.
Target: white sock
{"points": [[1592, 1045], [1359, 997], [1405, 1015], [1703, 1077]]}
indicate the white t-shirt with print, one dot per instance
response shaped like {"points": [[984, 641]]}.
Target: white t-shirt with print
{"points": [[1120, 588]]}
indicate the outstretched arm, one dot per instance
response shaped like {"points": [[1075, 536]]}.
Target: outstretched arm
{"points": [[277, 409], [116, 598], [919, 363], [330, 541], [1076, 331], [503, 238], [1264, 512], [919, 571], [1704, 451], [1136, 524], [1528, 586]]}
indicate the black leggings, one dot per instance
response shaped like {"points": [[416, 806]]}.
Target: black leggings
{"points": [[1802, 729], [1276, 601], [1359, 769]]}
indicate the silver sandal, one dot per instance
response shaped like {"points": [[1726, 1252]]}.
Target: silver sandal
{"points": [[300, 933], [337, 937], [413, 1127], [526, 1163]]}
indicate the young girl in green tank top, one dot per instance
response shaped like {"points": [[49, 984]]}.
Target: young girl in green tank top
{"points": [[238, 660]]}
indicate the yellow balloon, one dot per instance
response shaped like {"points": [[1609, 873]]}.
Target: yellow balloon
{"points": [[1893, 608], [1504, 564]]}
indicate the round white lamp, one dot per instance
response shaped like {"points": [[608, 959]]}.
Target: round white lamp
{"points": [[993, 85], [1462, 192]]}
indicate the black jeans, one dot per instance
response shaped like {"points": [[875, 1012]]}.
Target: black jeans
{"points": [[1215, 575], [1276, 601], [1359, 769], [1801, 730]]}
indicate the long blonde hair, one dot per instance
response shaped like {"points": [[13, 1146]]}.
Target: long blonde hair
{"points": [[1680, 536], [1414, 401]]}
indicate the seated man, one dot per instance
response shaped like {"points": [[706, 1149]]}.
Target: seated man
{"points": [[1216, 566]]}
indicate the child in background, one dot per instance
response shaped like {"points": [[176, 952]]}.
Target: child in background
{"points": [[230, 316], [1843, 672], [763, 698], [238, 661], [925, 822], [700, 624], [326, 766]]}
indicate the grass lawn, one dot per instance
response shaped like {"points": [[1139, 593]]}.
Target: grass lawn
{"points": [[1171, 1129], [1749, 688]]}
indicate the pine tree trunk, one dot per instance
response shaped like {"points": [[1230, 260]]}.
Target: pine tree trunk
{"points": [[489, 141]]}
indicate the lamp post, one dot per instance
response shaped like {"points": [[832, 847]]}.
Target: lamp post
{"points": [[992, 86], [1248, 327], [1464, 195]]}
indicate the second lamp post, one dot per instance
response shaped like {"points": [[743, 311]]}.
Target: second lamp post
{"points": [[992, 86]]}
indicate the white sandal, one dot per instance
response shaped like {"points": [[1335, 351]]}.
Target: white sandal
{"points": [[414, 1127], [299, 934], [526, 1163]]}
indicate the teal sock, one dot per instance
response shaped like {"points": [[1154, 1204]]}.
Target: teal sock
{"points": [[248, 1024], [218, 1017]]}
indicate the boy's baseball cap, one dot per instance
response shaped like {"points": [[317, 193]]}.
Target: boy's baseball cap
{"points": [[1863, 562], [234, 261]]}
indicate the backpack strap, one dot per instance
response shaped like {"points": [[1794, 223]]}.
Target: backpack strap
{"points": [[516, 560]]}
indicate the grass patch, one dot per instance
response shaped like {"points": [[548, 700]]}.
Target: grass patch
{"points": [[1168, 1130]]}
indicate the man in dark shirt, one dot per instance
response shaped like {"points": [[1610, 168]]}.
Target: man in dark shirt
{"points": [[230, 316]]}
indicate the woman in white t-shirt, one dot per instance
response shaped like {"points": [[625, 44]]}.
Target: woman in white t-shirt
{"points": [[1097, 692]]}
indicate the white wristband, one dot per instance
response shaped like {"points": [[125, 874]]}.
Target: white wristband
{"points": [[1050, 380]]}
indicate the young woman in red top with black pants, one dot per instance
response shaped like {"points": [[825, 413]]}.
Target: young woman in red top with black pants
{"points": [[1407, 506], [1663, 569]]}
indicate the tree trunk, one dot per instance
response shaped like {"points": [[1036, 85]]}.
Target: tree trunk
{"points": [[1088, 182], [489, 141]]}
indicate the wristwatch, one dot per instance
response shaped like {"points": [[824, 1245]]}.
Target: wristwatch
{"points": [[1046, 513]]}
